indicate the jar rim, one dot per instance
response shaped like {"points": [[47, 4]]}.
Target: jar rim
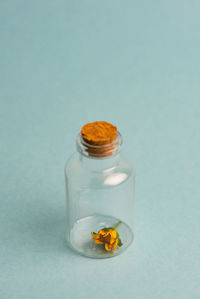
{"points": [[99, 151]]}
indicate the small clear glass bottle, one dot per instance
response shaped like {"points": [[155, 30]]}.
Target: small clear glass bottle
{"points": [[100, 194]]}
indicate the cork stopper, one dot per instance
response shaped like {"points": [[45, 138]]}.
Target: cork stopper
{"points": [[100, 137], [99, 133]]}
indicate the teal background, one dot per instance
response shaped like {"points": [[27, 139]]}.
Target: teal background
{"points": [[135, 64]]}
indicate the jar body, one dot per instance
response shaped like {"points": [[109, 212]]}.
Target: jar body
{"points": [[100, 193]]}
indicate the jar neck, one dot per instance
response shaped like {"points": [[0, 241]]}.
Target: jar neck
{"points": [[97, 165], [99, 157]]}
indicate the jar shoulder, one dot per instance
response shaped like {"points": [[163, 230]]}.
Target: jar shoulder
{"points": [[75, 167]]}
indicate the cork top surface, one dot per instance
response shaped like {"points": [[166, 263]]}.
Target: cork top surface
{"points": [[99, 133]]}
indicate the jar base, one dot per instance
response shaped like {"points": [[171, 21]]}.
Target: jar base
{"points": [[81, 239]]}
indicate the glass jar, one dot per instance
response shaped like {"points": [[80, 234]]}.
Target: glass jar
{"points": [[100, 195]]}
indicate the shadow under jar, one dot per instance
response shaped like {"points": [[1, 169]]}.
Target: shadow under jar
{"points": [[100, 195]]}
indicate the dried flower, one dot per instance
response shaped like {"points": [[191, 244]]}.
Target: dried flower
{"points": [[109, 237]]}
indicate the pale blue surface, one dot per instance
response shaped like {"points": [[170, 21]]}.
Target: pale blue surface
{"points": [[133, 63]]}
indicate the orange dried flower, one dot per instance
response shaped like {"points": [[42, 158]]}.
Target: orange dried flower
{"points": [[109, 237]]}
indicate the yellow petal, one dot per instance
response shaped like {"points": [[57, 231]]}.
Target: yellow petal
{"points": [[112, 240], [95, 236], [99, 242], [115, 245], [114, 233], [108, 247], [102, 232]]}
